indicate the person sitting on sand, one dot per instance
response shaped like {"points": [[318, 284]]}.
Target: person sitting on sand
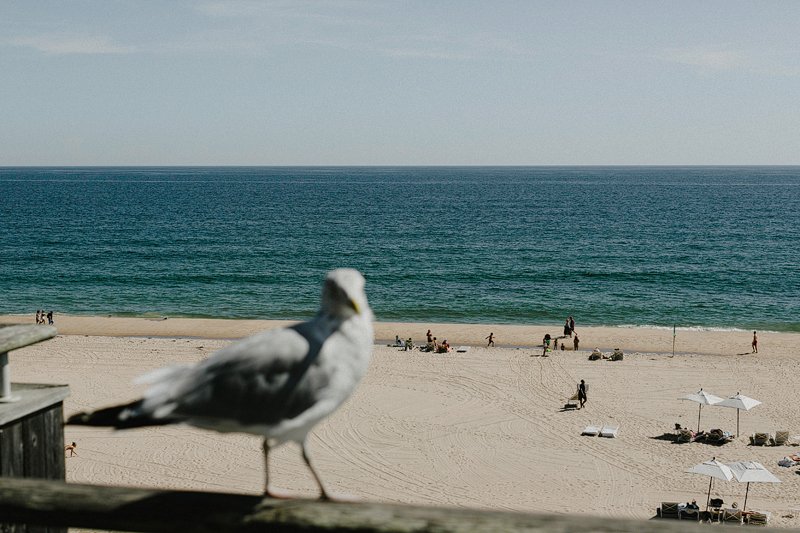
{"points": [[397, 341], [409, 345], [444, 347], [71, 449], [429, 337]]}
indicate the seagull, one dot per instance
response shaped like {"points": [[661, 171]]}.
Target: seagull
{"points": [[276, 384]]}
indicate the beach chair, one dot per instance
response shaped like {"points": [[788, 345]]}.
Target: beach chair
{"points": [[717, 436], [781, 438], [689, 514], [731, 516], [685, 435], [609, 431], [669, 510], [591, 430], [572, 402], [757, 519], [715, 509], [760, 439]]}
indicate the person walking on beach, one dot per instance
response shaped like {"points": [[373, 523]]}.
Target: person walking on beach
{"points": [[755, 342], [575, 342], [491, 340], [71, 449], [582, 393], [571, 324], [50, 318], [567, 330]]}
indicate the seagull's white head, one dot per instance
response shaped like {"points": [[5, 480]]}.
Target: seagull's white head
{"points": [[343, 294]]}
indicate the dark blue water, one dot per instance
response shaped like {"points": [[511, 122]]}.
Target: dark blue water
{"points": [[710, 247]]}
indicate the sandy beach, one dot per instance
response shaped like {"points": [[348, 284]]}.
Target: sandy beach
{"points": [[480, 429]]}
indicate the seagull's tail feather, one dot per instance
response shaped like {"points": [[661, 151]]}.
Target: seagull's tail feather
{"points": [[124, 416]]}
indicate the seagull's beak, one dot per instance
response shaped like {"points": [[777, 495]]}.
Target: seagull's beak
{"points": [[354, 305]]}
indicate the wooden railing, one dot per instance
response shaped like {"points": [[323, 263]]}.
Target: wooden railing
{"points": [[54, 503]]}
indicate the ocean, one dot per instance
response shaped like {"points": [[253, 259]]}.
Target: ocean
{"points": [[692, 247]]}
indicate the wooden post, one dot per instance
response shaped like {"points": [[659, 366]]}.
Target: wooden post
{"points": [[16, 336], [31, 420]]}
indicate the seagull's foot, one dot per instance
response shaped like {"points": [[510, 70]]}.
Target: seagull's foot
{"points": [[341, 497], [280, 494]]}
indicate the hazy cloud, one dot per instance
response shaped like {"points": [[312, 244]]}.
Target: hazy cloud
{"points": [[62, 44], [725, 58]]}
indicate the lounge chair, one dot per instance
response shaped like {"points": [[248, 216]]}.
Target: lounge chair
{"points": [[572, 402], [685, 435], [609, 431], [689, 514], [731, 516], [669, 510], [758, 519], [717, 436], [760, 439], [591, 430], [781, 438]]}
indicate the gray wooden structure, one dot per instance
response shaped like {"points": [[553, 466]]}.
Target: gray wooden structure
{"points": [[31, 419]]}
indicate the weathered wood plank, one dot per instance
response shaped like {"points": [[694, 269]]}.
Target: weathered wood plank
{"points": [[34, 445], [18, 335], [53, 454], [11, 446], [132, 509], [32, 397]]}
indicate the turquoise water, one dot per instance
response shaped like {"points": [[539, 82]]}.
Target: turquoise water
{"points": [[710, 247]]}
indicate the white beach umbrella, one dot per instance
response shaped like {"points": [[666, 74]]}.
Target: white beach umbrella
{"points": [[751, 472], [739, 402], [714, 470], [703, 398]]}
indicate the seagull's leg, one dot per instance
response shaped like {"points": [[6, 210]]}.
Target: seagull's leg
{"points": [[266, 467], [323, 493]]}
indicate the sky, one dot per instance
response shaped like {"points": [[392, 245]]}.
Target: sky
{"points": [[415, 82]]}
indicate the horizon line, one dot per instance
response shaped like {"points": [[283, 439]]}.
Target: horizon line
{"points": [[630, 165]]}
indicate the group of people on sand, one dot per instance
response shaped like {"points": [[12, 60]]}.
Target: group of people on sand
{"points": [[569, 331], [433, 345], [41, 316], [406, 345]]}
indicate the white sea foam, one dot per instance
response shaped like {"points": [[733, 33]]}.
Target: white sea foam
{"points": [[686, 328]]}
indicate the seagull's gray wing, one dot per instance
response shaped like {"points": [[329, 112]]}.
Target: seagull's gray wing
{"points": [[261, 380]]}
